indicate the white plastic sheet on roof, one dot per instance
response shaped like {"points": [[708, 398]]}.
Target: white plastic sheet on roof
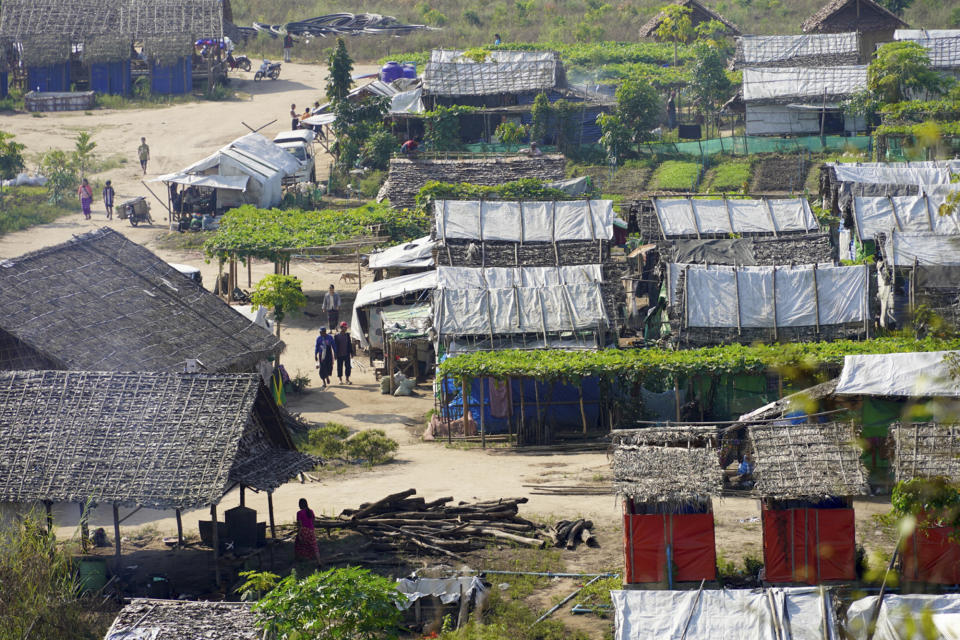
{"points": [[231, 183], [773, 83], [416, 253], [896, 609], [927, 249], [892, 175], [920, 34], [524, 221], [741, 614], [911, 214], [456, 55], [766, 49], [384, 290], [507, 277], [717, 294], [687, 216], [910, 375], [450, 74], [944, 52], [953, 165]]}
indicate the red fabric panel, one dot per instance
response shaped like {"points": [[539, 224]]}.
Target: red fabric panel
{"points": [[930, 556], [837, 538], [646, 556], [694, 550], [776, 543]]}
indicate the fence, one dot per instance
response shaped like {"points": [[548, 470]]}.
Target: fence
{"points": [[746, 145]]}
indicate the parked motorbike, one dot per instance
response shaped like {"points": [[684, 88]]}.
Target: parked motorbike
{"points": [[239, 62], [267, 70], [136, 210]]}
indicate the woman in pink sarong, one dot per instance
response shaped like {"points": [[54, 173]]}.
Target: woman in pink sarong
{"points": [[85, 193], [305, 546]]}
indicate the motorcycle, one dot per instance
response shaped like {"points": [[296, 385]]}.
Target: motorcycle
{"points": [[136, 210], [267, 70], [239, 62]]}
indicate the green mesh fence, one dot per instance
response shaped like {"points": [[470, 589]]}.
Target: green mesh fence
{"points": [[745, 145]]}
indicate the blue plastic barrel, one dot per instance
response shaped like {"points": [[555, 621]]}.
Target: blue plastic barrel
{"points": [[391, 71], [410, 70]]}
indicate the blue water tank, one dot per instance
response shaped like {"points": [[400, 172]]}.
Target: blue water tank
{"points": [[410, 70], [391, 71]]}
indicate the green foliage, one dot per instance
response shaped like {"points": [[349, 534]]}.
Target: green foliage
{"points": [[932, 501], [24, 207], [11, 156], [369, 185], [566, 115], [675, 175], [638, 107], [327, 441], [338, 604], [357, 122], [340, 68], [731, 175], [443, 127], [901, 69], [282, 294], [897, 7], [371, 446], [257, 583], [262, 233], [526, 189], [921, 110], [511, 133], [83, 155], [540, 115], [791, 360], [615, 137], [378, 148], [598, 593], [511, 619], [675, 26], [710, 85], [141, 87], [61, 173]]}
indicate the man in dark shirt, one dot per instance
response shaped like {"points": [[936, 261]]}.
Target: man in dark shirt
{"points": [[343, 349]]}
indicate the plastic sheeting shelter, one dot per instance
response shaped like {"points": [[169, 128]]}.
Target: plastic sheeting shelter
{"points": [[682, 543], [524, 221], [409, 255], [886, 174], [450, 73], [921, 34], [509, 277], [745, 614], [931, 556], [384, 292], [112, 78], [896, 609], [922, 249], [911, 375], [781, 85], [944, 52], [797, 50], [911, 214], [808, 544], [690, 217]]}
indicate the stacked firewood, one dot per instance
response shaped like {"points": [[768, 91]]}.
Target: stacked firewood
{"points": [[437, 527], [570, 533]]}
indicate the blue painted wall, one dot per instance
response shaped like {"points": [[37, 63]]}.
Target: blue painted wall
{"points": [[173, 80], [111, 77], [4, 84], [55, 77]]}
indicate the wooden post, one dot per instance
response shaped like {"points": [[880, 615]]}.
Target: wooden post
{"points": [[179, 528], [84, 528], [273, 526], [216, 544], [483, 412], [48, 506], [583, 413], [359, 274], [243, 496], [116, 537], [249, 273], [676, 395]]}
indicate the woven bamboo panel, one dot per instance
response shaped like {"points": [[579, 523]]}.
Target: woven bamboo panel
{"points": [[666, 474], [926, 450], [187, 620]]}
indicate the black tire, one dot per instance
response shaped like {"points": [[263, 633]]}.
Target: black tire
{"points": [[245, 65], [257, 77], [274, 74], [133, 221]]}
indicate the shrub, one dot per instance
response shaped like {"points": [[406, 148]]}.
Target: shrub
{"points": [[373, 447], [327, 441], [377, 149], [369, 185]]}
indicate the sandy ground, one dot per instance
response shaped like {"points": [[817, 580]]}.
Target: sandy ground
{"points": [[181, 134]]}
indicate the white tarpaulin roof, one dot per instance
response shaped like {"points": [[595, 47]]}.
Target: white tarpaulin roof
{"points": [[892, 175], [914, 164], [507, 277], [927, 249], [688, 216], [909, 214], [908, 375], [717, 294], [384, 290], [446, 589], [768, 49], [727, 614], [524, 221], [777, 83], [416, 253], [450, 74], [944, 52], [895, 609], [407, 101], [233, 183], [319, 119], [920, 34]]}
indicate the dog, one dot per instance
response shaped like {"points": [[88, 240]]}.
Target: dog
{"points": [[349, 276]]}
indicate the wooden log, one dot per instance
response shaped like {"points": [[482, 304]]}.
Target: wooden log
{"points": [[573, 535], [439, 502], [503, 535], [383, 502], [587, 537]]}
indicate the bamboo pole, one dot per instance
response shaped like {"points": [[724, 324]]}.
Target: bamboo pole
{"points": [[273, 526], [116, 538], [179, 528], [216, 544]]}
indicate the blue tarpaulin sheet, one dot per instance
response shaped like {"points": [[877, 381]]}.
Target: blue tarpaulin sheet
{"points": [[55, 77], [111, 77], [4, 84], [175, 79]]}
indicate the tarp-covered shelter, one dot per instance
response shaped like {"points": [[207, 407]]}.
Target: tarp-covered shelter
{"points": [[814, 248], [840, 183], [809, 50], [874, 23], [874, 215], [944, 52], [403, 258], [799, 613], [399, 291], [146, 619], [101, 302], [801, 100], [699, 218], [923, 34], [249, 170], [805, 474], [699, 12], [667, 477], [919, 269], [899, 616], [452, 74]]}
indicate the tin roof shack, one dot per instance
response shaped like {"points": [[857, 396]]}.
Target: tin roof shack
{"points": [[919, 269], [928, 450], [874, 23], [667, 477], [840, 183], [699, 12], [101, 302], [811, 50], [185, 620], [805, 475], [801, 100]]}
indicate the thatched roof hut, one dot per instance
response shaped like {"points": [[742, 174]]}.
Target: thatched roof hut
{"points": [[698, 13], [101, 302], [185, 620], [808, 461], [658, 473], [157, 440], [926, 450]]}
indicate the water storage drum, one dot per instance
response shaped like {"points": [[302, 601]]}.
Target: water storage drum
{"points": [[410, 70], [390, 72]]}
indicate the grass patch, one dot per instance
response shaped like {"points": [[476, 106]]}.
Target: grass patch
{"points": [[507, 619], [675, 175], [24, 207], [625, 181], [189, 241], [598, 594], [731, 175]]}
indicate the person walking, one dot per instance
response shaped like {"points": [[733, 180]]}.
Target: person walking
{"points": [[294, 118], [343, 349], [85, 193], [287, 47], [108, 194], [143, 152], [323, 353], [331, 304], [305, 544], [496, 40]]}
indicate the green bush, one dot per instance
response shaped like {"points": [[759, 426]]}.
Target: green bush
{"points": [[373, 447], [327, 441], [731, 175], [23, 207], [377, 149], [675, 175], [369, 185]]}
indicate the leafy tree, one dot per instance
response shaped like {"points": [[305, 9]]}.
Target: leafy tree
{"points": [[714, 33], [540, 115], [61, 173], [638, 107], [675, 26], [11, 157], [901, 69], [616, 138], [710, 85], [443, 127], [282, 294], [510, 133], [83, 155], [340, 70], [355, 123], [896, 6], [568, 125], [377, 149], [339, 604]]}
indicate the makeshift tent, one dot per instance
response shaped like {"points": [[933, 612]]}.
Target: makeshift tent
{"points": [[451, 73], [415, 254], [383, 293], [944, 52], [801, 613], [667, 477], [804, 472], [814, 248], [923, 34], [822, 49], [509, 277], [695, 217], [875, 24], [914, 375], [913, 214], [899, 614], [524, 221]]}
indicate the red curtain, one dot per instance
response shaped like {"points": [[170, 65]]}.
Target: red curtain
{"points": [[690, 536], [808, 545], [930, 556]]}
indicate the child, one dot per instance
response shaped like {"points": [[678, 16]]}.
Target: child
{"points": [[108, 194]]}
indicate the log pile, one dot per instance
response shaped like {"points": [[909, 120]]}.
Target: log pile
{"points": [[436, 527], [570, 533]]}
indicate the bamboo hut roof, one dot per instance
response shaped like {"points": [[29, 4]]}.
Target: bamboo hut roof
{"points": [[698, 13], [852, 15], [101, 302], [185, 620], [666, 474], [156, 440], [926, 450], [808, 461], [795, 401], [669, 435]]}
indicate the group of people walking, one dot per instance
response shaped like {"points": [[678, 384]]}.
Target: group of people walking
{"points": [[333, 347], [85, 190]]}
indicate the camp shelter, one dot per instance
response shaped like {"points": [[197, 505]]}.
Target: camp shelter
{"points": [[667, 477], [155, 440], [402, 259], [801, 100], [897, 614], [919, 269], [391, 292], [805, 50], [453, 77], [805, 474], [924, 34], [917, 214], [907, 375], [699, 12], [929, 450], [874, 23], [944, 51], [813, 248], [840, 183], [662, 219], [184, 620], [101, 302], [797, 613]]}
